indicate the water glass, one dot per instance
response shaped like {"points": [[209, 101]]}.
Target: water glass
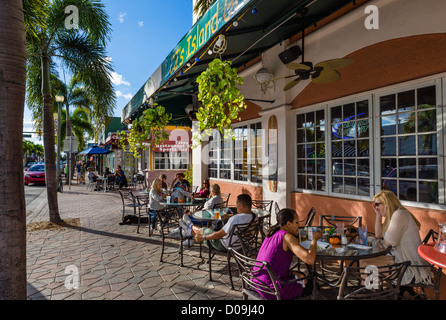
{"points": [[362, 234], [168, 199]]}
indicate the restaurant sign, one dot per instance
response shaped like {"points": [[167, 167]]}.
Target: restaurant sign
{"points": [[198, 36], [179, 141]]}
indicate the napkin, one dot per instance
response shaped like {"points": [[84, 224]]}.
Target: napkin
{"points": [[359, 246]]}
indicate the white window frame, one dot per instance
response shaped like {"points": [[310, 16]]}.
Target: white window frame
{"points": [[375, 138], [249, 161]]}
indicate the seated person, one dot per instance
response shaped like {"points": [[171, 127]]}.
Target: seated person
{"points": [[181, 183], [120, 177], [163, 179], [107, 172], [278, 248], [215, 199], [219, 240], [155, 196], [91, 175], [400, 230], [204, 191]]}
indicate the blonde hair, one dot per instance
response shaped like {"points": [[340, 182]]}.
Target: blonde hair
{"points": [[155, 185], [392, 204]]}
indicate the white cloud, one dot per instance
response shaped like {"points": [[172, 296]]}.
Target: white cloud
{"points": [[121, 17], [126, 96], [118, 79], [140, 24]]}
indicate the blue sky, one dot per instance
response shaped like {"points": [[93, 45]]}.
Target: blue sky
{"points": [[144, 33]]}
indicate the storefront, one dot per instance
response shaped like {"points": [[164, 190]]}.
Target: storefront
{"points": [[332, 145]]}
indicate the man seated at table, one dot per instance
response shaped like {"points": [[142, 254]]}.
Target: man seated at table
{"points": [[91, 175], [181, 183], [219, 240]]}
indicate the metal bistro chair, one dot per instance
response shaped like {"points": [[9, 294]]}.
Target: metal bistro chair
{"points": [[264, 205], [242, 237], [225, 197], [380, 283], [435, 272], [309, 218], [332, 219], [249, 269], [168, 221], [130, 201]]}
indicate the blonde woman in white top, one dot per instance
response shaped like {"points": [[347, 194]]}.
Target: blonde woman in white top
{"points": [[400, 230]]}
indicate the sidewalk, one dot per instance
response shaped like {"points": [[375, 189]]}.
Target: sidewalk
{"points": [[112, 261]]}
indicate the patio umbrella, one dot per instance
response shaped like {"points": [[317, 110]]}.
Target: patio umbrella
{"points": [[93, 150]]}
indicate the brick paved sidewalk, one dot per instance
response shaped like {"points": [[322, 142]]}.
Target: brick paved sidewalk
{"points": [[113, 261]]}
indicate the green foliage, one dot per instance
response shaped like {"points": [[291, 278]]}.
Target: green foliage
{"points": [[148, 130], [221, 98]]}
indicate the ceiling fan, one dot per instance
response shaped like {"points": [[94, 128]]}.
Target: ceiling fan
{"points": [[323, 73]]}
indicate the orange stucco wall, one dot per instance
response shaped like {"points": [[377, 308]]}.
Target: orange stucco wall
{"points": [[380, 65], [235, 189]]}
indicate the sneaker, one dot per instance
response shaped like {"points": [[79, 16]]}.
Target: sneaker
{"points": [[186, 228], [189, 242]]}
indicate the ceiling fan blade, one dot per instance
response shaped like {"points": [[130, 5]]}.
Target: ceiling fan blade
{"points": [[326, 76], [291, 84], [335, 64], [297, 66]]}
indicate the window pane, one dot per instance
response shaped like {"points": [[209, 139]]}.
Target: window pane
{"points": [[320, 133], [363, 148], [388, 167], [320, 150], [349, 112], [426, 97], [408, 190], [388, 125], [349, 168], [300, 120], [363, 168], [364, 187], [301, 181], [336, 131], [428, 168], [428, 191], [320, 118], [406, 123], [320, 166], [320, 183], [387, 104], [406, 101], [349, 149], [363, 128], [336, 149], [300, 136], [349, 130], [309, 119], [427, 121], [336, 114], [388, 146], [407, 168], [427, 144], [349, 186], [407, 146], [362, 109]]}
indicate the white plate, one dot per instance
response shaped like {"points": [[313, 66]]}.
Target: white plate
{"points": [[321, 245]]}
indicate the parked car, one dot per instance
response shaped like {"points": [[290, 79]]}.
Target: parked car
{"points": [[35, 174]]}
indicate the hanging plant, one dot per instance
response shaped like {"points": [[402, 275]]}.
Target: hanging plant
{"points": [[147, 131], [221, 98]]}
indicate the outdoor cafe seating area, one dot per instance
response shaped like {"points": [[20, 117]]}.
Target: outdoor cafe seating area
{"points": [[344, 267]]}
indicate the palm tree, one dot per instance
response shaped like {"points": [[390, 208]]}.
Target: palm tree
{"points": [[201, 6], [12, 201], [80, 49], [80, 124]]}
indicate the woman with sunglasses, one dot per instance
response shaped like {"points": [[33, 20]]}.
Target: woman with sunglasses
{"points": [[400, 230], [204, 191]]}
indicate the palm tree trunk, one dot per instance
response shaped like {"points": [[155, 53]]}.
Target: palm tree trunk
{"points": [[12, 200], [49, 143]]}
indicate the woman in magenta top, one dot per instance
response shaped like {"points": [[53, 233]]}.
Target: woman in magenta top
{"points": [[278, 248]]}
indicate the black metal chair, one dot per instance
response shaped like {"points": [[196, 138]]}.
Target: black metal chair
{"points": [[264, 205], [249, 268], [128, 200], [309, 218], [242, 237], [372, 283], [436, 273], [332, 219], [225, 197], [168, 221]]}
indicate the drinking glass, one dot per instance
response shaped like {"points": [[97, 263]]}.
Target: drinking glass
{"points": [[217, 213], [302, 235], [168, 199], [362, 234]]}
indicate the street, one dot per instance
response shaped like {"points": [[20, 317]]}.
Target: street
{"points": [[32, 192]]}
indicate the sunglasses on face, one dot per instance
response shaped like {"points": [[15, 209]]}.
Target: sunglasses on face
{"points": [[377, 204]]}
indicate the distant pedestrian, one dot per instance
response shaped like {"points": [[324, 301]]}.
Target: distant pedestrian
{"points": [[120, 177]]}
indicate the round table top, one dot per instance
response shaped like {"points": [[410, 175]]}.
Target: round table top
{"points": [[208, 215], [163, 203], [430, 254], [352, 251]]}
